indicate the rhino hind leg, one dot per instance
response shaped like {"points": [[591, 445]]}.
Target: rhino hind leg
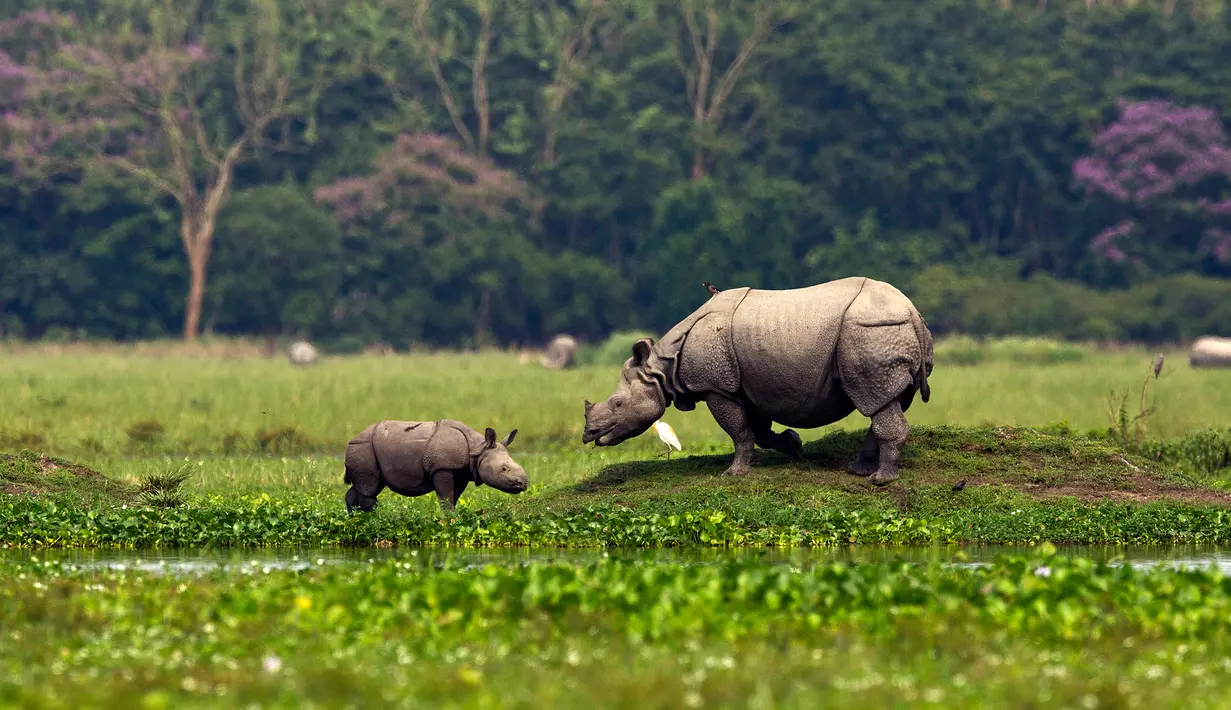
{"points": [[363, 473], [869, 454], [877, 366], [890, 429], [787, 441]]}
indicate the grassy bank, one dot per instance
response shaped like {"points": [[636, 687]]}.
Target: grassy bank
{"points": [[1002, 485], [1025, 632], [219, 447], [109, 407]]}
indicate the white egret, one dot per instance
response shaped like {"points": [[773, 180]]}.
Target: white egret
{"points": [[667, 435]]}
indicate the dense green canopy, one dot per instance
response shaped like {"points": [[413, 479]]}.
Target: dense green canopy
{"points": [[500, 170]]}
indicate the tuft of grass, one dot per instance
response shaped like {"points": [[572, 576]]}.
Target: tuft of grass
{"points": [[162, 490], [145, 432], [21, 440]]}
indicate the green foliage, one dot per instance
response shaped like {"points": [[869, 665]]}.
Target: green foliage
{"points": [[978, 303], [275, 269], [1205, 452], [1030, 629], [869, 138], [613, 351], [964, 350]]}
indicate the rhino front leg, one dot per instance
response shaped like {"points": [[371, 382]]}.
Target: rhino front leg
{"points": [[735, 422], [442, 481], [890, 428], [869, 455]]}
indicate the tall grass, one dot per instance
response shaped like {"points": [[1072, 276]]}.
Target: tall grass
{"points": [[152, 409]]}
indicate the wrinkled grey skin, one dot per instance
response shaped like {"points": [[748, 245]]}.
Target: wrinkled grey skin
{"points": [[802, 357], [561, 353], [415, 458]]}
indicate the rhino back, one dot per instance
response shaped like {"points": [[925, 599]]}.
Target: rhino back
{"points": [[785, 341], [878, 304], [706, 333], [400, 452]]}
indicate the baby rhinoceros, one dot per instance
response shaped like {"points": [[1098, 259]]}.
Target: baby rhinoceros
{"points": [[415, 458]]}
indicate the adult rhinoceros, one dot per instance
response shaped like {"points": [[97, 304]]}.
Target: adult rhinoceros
{"points": [[802, 357]]}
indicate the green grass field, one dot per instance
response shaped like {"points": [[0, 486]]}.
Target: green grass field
{"points": [[131, 415], [107, 432]]}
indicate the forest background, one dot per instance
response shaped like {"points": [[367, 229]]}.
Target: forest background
{"points": [[478, 172]]}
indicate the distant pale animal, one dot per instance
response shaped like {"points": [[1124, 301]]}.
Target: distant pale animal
{"points": [[667, 435], [302, 353], [561, 353], [1210, 351]]}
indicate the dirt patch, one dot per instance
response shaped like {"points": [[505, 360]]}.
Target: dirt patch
{"points": [[1137, 489]]}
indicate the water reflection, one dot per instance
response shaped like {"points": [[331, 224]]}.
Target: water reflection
{"points": [[257, 560]]}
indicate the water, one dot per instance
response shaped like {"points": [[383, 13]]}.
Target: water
{"points": [[196, 561]]}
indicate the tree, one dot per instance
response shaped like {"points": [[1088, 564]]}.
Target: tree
{"points": [[451, 224], [708, 86], [1166, 170], [148, 103], [276, 263], [446, 38], [577, 36]]}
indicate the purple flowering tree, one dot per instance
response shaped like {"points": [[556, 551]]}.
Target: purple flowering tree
{"points": [[431, 196], [151, 106], [1166, 170], [429, 168]]}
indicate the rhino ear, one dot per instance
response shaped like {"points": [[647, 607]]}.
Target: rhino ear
{"points": [[641, 351], [589, 406], [489, 437], [509, 439]]}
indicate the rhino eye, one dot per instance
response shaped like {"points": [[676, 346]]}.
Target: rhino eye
{"points": [[619, 403], [504, 468]]}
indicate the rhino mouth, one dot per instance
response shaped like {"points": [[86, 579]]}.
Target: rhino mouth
{"points": [[603, 438]]}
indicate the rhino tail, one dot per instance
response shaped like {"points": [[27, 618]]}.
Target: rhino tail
{"points": [[921, 384], [924, 337]]}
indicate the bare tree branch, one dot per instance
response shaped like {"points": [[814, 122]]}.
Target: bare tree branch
{"points": [[703, 25], [574, 50], [432, 51], [478, 73]]}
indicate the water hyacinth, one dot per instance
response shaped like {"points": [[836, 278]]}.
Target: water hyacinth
{"points": [[690, 635]]}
